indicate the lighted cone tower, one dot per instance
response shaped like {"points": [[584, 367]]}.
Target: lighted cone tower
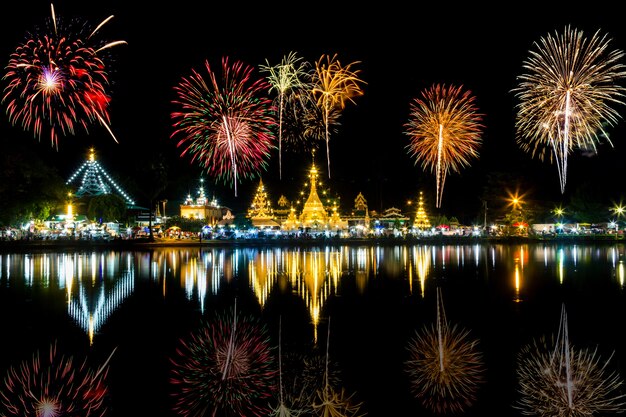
{"points": [[260, 212], [421, 217], [96, 181]]}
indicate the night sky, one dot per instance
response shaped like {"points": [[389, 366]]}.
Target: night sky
{"points": [[399, 50]]}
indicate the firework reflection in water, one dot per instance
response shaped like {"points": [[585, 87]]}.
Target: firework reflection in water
{"points": [[445, 367], [559, 380], [224, 368], [334, 402], [54, 385]]}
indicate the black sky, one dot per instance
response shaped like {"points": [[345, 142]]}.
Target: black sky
{"points": [[401, 48]]}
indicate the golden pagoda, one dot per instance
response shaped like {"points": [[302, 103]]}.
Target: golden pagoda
{"points": [[260, 212], [314, 218]]}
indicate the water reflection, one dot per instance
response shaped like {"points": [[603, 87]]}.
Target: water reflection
{"points": [[144, 300], [96, 284]]}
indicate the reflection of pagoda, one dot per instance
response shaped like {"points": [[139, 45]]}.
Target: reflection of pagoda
{"points": [[96, 181], [314, 217], [203, 209]]}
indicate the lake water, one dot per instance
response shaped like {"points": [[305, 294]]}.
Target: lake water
{"points": [[361, 304]]}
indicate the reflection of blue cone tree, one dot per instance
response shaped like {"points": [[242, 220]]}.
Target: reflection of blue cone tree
{"points": [[54, 385], [445, 368], [559, 380], [224, 368]]}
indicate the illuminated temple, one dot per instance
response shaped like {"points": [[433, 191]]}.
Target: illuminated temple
{"points": [[260, 212], [204, 209], [314, 218]]}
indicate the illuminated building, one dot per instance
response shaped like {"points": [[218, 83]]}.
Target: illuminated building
{"points": [[203, 209], [260, 212], [314, 218], [359, 218]]}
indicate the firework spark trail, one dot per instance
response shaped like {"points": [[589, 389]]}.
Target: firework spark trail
{"points": [[226, 127], [334, 402], [220, 369], [333, 85], [287, 78], [282, 410], [444, 365], [303, 123], [445, 131], [55, 387], [58, 81], [560, 380], [566, 96]]}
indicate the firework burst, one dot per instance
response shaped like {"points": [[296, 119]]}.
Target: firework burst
{"points": [[445, 367], [334, 85], [54, 385], [445, 131], [566, 96], [58, 81], [559, 380], [303, 123], [226, 127], [287, 78], [224, 368]]}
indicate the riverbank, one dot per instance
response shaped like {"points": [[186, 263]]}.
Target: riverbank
{"points": [[141, 244]]}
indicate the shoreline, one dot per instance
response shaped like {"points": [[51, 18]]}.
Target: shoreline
{"points": [[141, 244]]}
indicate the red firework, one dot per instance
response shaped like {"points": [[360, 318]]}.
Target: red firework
{"points": [[57, 81], [54, 385], [227, 126]]}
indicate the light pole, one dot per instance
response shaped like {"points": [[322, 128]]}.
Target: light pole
{"points": [[618, 210], [70, 213]]}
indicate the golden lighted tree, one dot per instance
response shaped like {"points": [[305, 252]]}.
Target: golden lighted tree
{"points": [[333, 86], [566, 96], [421, 216], [445, 131]]}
